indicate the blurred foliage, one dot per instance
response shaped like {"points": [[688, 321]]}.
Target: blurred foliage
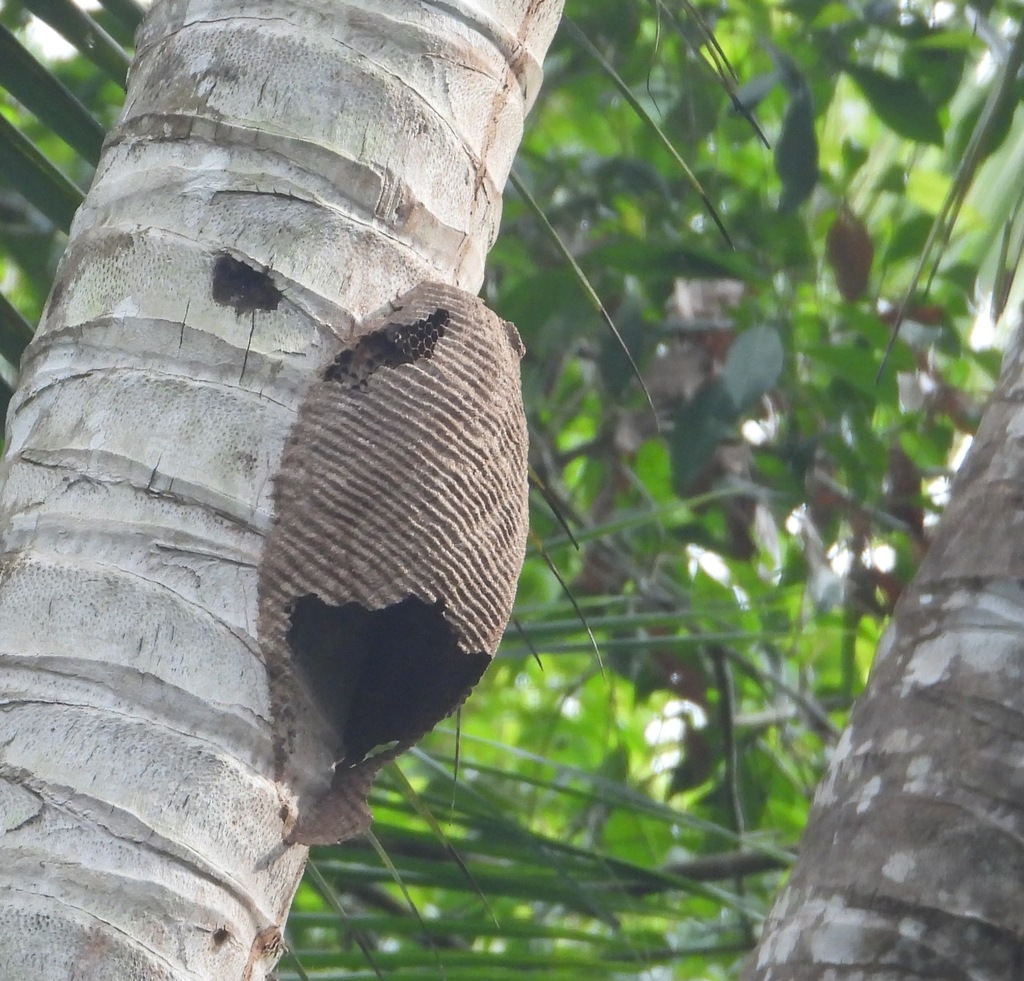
{"points": [[734, 521]]}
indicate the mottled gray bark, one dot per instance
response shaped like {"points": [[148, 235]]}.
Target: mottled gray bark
{"points": [[912, 865]]}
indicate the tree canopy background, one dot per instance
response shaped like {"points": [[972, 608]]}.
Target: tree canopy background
{"points": [[747, 198]]}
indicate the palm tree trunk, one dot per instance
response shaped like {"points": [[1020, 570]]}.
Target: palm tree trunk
{"points": [[281, 170], [911, 865]]}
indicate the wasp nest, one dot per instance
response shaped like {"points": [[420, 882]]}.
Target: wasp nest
{"points": [[388, 577]]}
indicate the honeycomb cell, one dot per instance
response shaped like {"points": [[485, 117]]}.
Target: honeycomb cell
{"points": [[392, 345]]}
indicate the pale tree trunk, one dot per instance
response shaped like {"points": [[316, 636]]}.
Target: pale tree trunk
{"points": [[281, 169], [912, 865]]}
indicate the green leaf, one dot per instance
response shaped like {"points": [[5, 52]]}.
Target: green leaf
{"points": [[900, 103], [995, 132], [581, 277], [616, 370], [936, 70], [15, 331], [908, 237], [796, 153], [41, 183], [753, 365], [127, 12], [854, 157], [81, 31], [752, 93], [44, 95], [649, 120], [698, 428]]}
